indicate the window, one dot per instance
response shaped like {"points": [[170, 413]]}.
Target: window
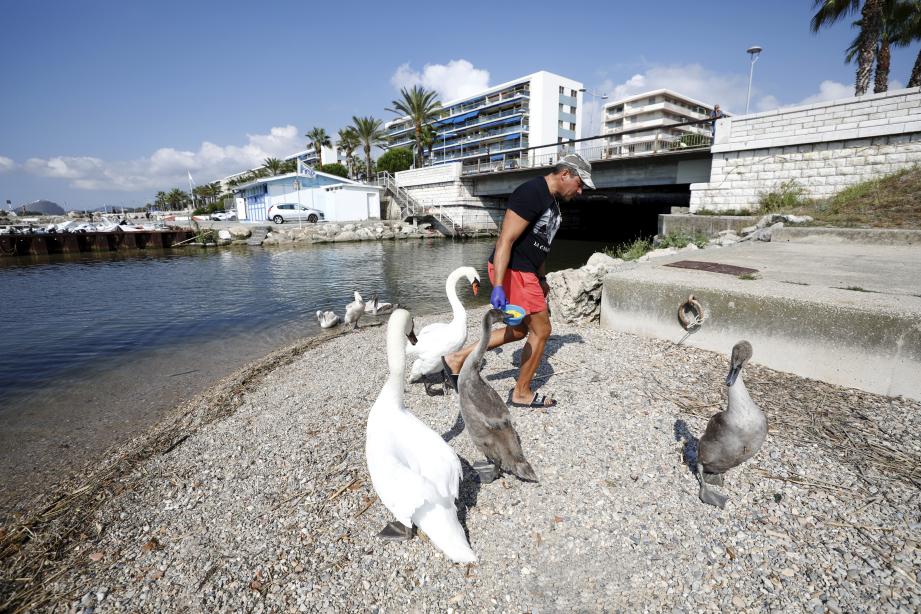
{"points": [[562, 90], [572, 93], [562, 108]]}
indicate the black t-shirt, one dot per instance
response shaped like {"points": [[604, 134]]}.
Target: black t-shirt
{"points": [[533, 202]]}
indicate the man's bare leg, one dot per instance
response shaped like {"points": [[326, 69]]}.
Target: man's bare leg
{"points": [[499, 336], [539, 329]]}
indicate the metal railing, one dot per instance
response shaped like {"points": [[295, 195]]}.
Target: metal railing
{"points": [[410, 207], [645, 142]]}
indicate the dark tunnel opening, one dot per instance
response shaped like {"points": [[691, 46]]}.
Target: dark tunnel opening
{"points": [[618, 215]]}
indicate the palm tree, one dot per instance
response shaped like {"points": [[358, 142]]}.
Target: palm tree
{"points": [[319, 139], [422, 106], [908, 15], [289, 166], [176, 199], [273, 165], [369, 133], [871, 18], [348, 142], [428, 140]]}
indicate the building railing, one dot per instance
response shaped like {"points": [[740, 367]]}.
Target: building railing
{"points": [[660, 141], [410, 207]]}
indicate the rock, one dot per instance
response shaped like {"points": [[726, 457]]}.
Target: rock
{"points": [[239, 231], [576, 293], [728, 239], [656, 253], [348, 227], [748, 230], [798, 219], [346, 235]]}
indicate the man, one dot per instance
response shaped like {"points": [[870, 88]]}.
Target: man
{"points": [[516, 270], [715, 114]]}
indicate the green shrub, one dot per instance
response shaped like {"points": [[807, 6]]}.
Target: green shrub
{"points": [[334, 168], [395, 160], [682, 239], [631, 250], [787, 195]]}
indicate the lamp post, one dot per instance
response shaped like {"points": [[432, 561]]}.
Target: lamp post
{"points": [[754, 51], [591, 117]]}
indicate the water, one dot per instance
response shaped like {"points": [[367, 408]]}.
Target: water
{"points": [[97, 347]]}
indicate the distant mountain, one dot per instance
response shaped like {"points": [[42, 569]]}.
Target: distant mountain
{"points": [[45, 207]]}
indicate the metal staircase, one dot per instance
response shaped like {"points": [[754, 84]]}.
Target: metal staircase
{"points": [[411, 208]]}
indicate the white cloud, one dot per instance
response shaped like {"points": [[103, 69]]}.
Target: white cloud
{"points": [[456, 79], [829, 90], [167, 166], [6, 164]]}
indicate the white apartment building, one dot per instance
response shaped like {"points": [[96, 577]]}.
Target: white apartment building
{"points": [[645, 123], [493, 127]]}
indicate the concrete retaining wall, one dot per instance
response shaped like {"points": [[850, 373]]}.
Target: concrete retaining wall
{"points": [[444, 187], [871, 347], [830, 236], [824, 147], [709, 225]]}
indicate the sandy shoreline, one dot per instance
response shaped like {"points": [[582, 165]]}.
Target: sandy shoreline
{"points": [[255, 496]]}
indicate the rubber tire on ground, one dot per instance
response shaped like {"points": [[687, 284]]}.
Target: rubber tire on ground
{"points": [[312, 218], [278, 219]]}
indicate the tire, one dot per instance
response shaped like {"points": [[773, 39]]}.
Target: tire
{"points": [[312, 218], [278, 219]]}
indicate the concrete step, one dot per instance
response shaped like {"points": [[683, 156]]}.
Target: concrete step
{"points": [[258, 235], [848, 314]]}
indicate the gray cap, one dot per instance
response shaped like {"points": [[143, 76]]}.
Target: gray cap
{"points": [[579, 164]]}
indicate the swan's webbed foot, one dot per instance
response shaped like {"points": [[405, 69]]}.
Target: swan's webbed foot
{"points": [[709, 496], [715, 479], [396, 532], [433, 392], [486, 470]]}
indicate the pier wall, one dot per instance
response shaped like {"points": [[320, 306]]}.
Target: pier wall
{"points": [[39, 244], [824, 147], [444, 187]]}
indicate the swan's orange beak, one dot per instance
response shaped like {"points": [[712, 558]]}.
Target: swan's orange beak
{"points": [[476, 287]]}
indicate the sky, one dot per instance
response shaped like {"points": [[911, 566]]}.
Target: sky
{"points": [[107, 102]]}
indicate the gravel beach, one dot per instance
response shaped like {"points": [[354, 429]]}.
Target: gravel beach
{"points": [[256, 496]]}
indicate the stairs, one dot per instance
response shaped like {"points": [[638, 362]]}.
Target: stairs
{"points": [[258, 236], [410, 208]]}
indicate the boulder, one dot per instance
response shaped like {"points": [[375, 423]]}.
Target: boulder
{"points": [[664, 251], [239, 231], [346, 235], [575, 294]]}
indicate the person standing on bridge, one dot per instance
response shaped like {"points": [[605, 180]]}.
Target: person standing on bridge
{"points": [[516, 270]]}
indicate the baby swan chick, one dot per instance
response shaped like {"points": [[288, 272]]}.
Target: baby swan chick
{"points": [[354, 311], [486, 416], [732, 436], [327, 319]]}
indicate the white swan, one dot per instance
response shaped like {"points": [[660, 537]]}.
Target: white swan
{"points": [[438, 339], [354, 311], [414, 471], [327, 319], [375, 307]]}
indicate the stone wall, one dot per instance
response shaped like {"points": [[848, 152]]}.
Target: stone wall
{"points": [[824, 147], [445, 188]]}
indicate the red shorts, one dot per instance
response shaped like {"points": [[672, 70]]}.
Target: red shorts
{"points": [[522, 289]]}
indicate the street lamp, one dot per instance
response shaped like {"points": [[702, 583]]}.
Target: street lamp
{"points": [[591, 117], [754, 51]]}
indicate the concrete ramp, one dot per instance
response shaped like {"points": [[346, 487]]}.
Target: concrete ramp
{"points": [[848, 314]]}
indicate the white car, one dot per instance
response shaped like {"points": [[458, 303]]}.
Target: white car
{"points": [[292, 212], [224, 216]]}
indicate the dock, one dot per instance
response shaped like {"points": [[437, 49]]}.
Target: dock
{"points": [[40, 244]]}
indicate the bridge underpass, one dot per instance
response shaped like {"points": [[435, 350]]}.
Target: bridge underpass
{"points": [[630, 194]]}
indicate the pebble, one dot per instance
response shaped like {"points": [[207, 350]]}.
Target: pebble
{"points": [[276, 494]]}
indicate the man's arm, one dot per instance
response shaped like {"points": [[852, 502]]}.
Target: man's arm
{"points": [[512, 227]]}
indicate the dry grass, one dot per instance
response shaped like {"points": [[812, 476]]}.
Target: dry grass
{"points": [[844, 422], [33, 548], [891, 201]]}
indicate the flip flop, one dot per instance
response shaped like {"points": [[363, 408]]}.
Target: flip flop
{"points": [[450, 378], [537, 403]]}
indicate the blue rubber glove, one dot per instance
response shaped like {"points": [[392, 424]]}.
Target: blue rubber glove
{"points": [[497, 298]]}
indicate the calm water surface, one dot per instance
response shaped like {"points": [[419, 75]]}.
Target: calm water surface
{"points": [[96, 347]]}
